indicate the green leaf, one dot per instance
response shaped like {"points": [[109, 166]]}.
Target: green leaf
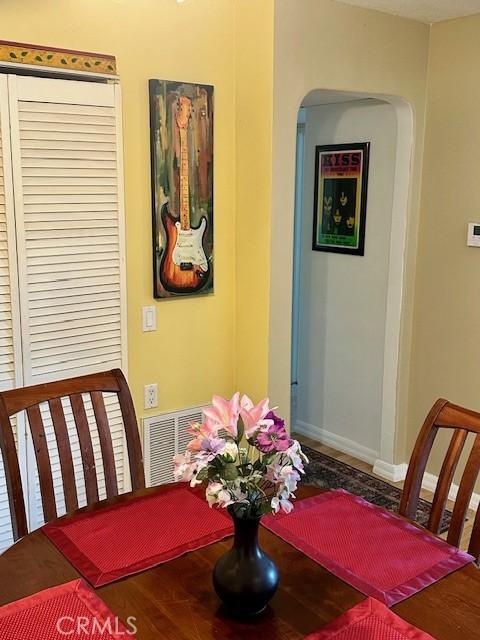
{"points": [[258, 465], [74, 59], [63, 61], [265, 508], [24, 53], [202, 474], [268, 457], [110, 67], [87, 64], [97, 62], [240, 430], [230, 472], [212, 473], [13, 55], [38, 59], [50, 56], [219, 463]]}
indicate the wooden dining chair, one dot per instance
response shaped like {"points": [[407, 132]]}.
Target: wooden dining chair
{"points": [[32, 399], [446, 416]]}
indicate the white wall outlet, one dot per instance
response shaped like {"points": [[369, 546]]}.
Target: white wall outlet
{"points": [[150, 396], [149, 319]]}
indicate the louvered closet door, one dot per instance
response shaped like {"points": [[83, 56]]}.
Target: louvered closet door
{"points": [[66, 162], [10, 354], [67, 172]]}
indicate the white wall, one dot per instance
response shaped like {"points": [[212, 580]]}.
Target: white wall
{"points": [[343, 297]]}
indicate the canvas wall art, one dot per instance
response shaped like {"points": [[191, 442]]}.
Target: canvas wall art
{"points": [[340, 197], [181, 124]]}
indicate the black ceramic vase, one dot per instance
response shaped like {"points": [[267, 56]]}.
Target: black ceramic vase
{"points": [[245, 578]]}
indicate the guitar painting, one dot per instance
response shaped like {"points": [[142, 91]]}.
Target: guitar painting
{"points": [[181, 121]]}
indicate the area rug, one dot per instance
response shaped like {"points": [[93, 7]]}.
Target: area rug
{"points": [[328, 473]]}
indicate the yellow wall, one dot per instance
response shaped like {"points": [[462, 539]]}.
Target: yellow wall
{"points": [[254, 83], [191, 355], [445, 361], [321, 44]]}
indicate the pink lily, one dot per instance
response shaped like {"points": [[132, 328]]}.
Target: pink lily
{"points": [[199, 430], [253, 414], [223, 414]]}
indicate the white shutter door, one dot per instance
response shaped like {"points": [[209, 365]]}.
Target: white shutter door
{"points": [[67, 170], [10, 344], [67, 174]]}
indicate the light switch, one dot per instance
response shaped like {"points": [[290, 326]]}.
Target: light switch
{"points": [[149, 319]]}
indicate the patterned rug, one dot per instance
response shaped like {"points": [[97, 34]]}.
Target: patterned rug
{"points": [[326, 472]]}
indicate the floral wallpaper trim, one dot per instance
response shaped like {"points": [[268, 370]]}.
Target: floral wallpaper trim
{"points": [[17, 52]]}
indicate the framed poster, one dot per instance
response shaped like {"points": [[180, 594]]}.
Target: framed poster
{"points": [[340, 197], [181, 127]]}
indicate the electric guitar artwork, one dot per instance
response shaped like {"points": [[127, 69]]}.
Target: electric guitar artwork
{"points": [[184, 267]]}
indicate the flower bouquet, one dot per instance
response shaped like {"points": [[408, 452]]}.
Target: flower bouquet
{"points": [[245, 455], [251, 466]]}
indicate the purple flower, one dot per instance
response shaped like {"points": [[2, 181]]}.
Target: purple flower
{"points": [[272, 438], [279, 422], [210, 448]]}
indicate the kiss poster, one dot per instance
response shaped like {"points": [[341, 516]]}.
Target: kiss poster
{"points": [[340, 197]]}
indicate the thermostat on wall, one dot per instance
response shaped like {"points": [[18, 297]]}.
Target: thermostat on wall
{"points": [[473, 235]]}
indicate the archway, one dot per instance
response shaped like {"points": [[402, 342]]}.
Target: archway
{"points": [[280, 350]]}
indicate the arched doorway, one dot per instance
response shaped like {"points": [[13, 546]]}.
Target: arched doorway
{"points": [[367, 389]]}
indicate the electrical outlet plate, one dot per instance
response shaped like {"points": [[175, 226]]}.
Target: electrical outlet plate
{"points": [[150, 396]]}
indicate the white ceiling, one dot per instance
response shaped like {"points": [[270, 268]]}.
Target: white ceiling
{"points": [[422, 10]]}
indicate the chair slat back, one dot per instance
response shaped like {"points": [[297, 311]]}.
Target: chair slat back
{"points": [[106, 444], [12, 474], [445, 478], [462, 422], [86, 447], [464, 495], [44, 467], [48, 397], [65, 453]]}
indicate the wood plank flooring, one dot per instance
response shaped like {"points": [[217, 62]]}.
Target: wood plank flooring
{"points": [[367, 468]]}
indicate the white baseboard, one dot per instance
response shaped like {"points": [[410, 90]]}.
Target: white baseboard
{"points": [[345, 445], [430, 483], [391, 472]]}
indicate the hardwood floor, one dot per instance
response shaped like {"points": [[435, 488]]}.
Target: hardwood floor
{"points": [[367, 468]]}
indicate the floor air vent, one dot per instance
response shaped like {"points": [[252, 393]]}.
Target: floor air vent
{"points": [[164, 436]]}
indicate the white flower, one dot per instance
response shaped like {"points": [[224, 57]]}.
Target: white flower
{"points": [[286, 476], [217, 494], [212, 491], [239, 496], [281, 502], [230, 452], [184, 468], [296, 455]]}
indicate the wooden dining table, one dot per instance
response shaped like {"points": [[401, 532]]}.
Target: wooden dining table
{"points": [[176, 600]]}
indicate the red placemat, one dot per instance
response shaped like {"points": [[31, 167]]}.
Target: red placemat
{"points": [[69, 610], [369, 620], [375, 551], [126, 538]]}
